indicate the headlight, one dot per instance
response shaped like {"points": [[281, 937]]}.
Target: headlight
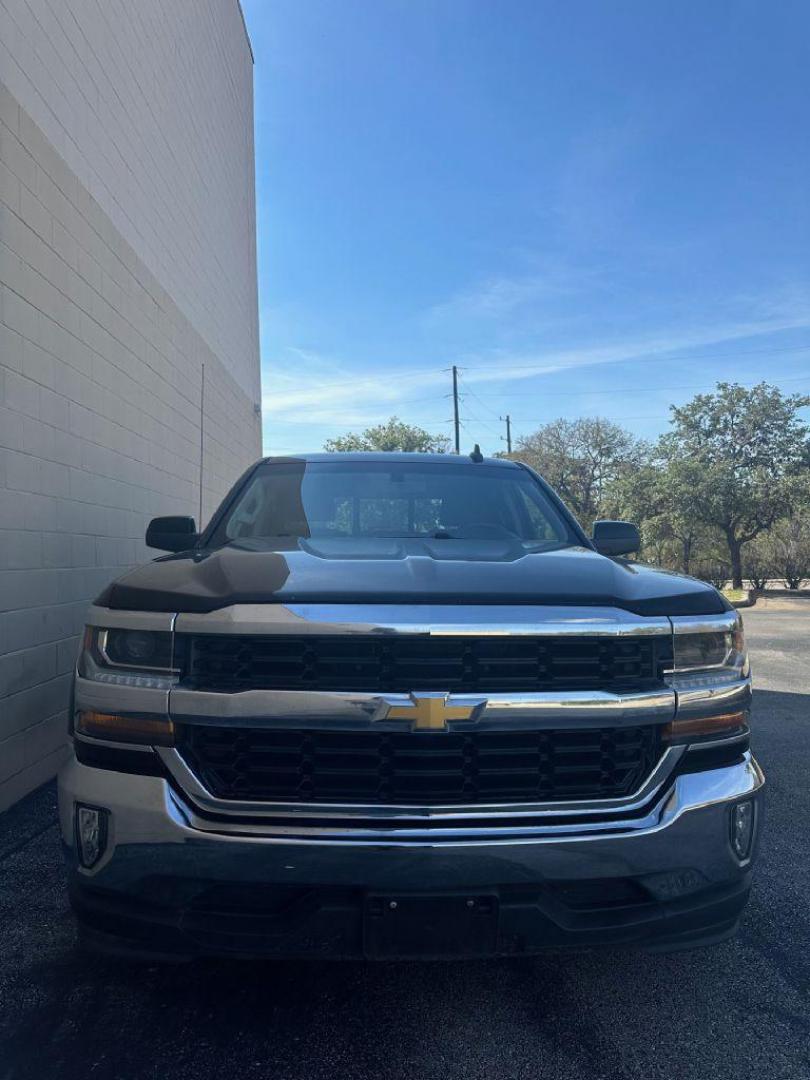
{"points": [[709, 657], [128, 657], [135, 658], [143, 649], [709, 674]]}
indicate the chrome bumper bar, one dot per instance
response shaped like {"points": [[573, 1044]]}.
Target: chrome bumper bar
{"points": [[152, 831]]}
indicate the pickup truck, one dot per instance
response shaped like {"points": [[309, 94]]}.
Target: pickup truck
{"points": [[400, 705]]}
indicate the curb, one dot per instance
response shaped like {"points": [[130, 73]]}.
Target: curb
{"points": [[749, 601]]}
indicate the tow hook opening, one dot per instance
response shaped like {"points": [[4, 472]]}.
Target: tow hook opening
{"points": [[743, 815], [91, 834]]}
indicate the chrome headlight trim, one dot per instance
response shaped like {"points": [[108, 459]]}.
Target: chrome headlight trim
{"points": [[103, 640], [96, 665], [111, 618]]}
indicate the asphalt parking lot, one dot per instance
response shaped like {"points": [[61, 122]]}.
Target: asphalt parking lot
{"points": [[739, 1010]]}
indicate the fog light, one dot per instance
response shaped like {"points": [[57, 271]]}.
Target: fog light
{"points": [[742, 828], [91, 834]]}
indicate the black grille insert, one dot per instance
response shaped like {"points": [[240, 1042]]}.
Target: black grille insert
{"points": [[388, 663], [419, 768]]}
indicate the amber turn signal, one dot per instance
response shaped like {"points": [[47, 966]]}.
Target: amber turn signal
{"points": [[155, 730], [697, 726]]}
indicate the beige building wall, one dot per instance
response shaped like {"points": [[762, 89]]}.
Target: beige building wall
{"points": [[129, 362]]}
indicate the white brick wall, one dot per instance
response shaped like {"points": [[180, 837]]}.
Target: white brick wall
{"points": [[103, 336], [150, 104]]}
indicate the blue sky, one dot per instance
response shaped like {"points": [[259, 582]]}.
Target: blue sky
{"points": [[591, 207]]}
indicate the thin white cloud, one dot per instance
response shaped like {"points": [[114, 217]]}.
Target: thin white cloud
{"points": [[336, 390], [321, 391], [502, 296], [540, 292]]}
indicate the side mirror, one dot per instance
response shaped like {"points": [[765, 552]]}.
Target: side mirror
{"points": [[172, 533], [615, 537]]}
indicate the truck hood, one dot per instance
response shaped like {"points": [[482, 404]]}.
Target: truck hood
{"points": [[409, 571]]}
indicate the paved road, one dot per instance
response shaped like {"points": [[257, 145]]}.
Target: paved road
{"points": [[738, 1011]]}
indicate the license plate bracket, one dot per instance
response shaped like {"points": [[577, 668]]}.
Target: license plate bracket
{"points": [[424, 925]]}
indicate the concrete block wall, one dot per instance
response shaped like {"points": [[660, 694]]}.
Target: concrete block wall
{"points": [[150, 104], [102, 350]]}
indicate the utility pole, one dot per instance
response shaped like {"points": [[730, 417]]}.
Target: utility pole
{"points": [[508, 420], [455, 408], [202, 444]]}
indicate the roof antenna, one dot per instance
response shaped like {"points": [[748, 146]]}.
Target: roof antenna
{"points": [[476, 455]]}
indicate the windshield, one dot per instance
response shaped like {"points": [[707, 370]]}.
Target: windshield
{"points": [[322, 500]]}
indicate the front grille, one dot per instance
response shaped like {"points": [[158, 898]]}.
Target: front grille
{"points": [[389, 663], [419, 768]]}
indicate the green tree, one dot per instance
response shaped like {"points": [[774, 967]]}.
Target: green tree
{"points": [[648, 496], [635, 495], [782, 552], [759, 564], [736, 460], [392, 435], [583, 460]]}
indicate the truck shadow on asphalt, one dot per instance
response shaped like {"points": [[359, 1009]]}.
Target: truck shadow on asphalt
{"points": [[731, 1011]]}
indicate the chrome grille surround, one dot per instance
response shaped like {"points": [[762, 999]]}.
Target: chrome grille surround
{"points": [[635, 703], [366, 711]]}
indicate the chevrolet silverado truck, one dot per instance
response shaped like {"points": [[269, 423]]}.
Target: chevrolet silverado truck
{"points": [[400, 705]]}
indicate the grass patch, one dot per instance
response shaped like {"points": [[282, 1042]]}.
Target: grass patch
{"points": [[735, 595]]}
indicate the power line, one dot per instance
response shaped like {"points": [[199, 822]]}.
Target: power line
{"points": [[564, 393], [475, 419], [472, 393], [465, 392], [497, 416], [484, 424], [540, 367], [616, 419]]}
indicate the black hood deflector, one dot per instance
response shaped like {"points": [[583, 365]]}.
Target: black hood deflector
{"points": [[405, 572]]}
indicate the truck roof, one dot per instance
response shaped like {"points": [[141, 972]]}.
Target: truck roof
{"points": [[378, 455]]}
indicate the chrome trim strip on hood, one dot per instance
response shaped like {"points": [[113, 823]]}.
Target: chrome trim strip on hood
{"points": [[433, 619]]}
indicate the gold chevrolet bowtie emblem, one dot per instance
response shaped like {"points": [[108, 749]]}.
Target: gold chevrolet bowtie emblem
{"points": [[430, 712]]}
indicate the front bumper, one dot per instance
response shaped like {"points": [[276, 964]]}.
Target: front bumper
{"points": [[167, 886]]}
